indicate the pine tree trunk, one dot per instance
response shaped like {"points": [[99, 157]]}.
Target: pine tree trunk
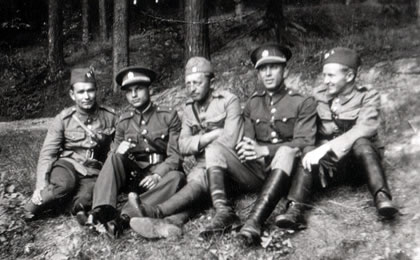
{"points": [[197, 41], [120, 58], [275, 18], [55, 36], [239, 8], [85, 22], [103, 26], [418, 12]]}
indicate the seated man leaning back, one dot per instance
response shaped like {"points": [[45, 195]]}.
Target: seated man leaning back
{"points": [[348, 143], [210, 115], [74, 150], [144, 156]]}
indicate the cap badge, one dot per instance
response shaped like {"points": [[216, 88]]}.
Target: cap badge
{"points": [[326, 55], [89, 74], [130, 75], [264, 53], [194, 69]]}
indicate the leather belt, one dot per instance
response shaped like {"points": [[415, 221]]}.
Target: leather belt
{"points": [[153, 158]]}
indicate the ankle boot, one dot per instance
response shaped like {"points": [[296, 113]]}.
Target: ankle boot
{"points": [[384, 205], [275, 187], [225, 216], [116, 226], [155, 228], [293, 218], [299, 192]]}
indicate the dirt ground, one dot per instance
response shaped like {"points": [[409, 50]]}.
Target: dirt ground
{"points": [[342, 221]]}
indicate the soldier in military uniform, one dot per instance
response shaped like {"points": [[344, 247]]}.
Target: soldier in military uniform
{"points": [[74, 150], [144, 156], [210, 115], [279, 124], [347, 138]]}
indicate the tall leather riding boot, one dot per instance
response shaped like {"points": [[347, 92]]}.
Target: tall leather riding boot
{"points": [[275, 187], [376, 181], [299, 192], [225, 217]]}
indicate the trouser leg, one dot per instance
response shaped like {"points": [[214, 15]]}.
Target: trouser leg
{"points": [[62, 182], [164, 190], [82, 200]]}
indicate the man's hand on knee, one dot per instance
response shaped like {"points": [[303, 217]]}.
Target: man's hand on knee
{"points": [[149, 182]]}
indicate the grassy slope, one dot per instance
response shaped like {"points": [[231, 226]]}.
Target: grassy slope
{"points": [[342, 224]]}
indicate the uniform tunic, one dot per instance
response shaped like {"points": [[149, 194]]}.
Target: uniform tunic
{"points": [[71, 154], [285, 122], [348, 118], [222, 112], [155, 133]]}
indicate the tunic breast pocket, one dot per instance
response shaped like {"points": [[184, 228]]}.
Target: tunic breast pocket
{"points": [[132, 138], [160, 135], [285, 126], [349, 114], [74, 136], [262, 129]]}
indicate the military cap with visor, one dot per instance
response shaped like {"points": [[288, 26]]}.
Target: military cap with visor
{"points": [[82, 75], [199, 65], [343, 56], [134, 75], [270, 53]]}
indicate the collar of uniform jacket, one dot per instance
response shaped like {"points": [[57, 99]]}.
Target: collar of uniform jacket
{"points": [[215, 94], [147, 113], [343, 99]]}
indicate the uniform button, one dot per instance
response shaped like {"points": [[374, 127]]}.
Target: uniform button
{"points": [[271, 103], [145, 140], [273, 110], [129, 139], [143, 122], [284, 119], [272, 119], [257, 121], [91, 142], [163, 136], [290, 92], [273, 134], [147, 149], [337, 100], [132, 113], [144, 132], [275, 140], [89, 126]]}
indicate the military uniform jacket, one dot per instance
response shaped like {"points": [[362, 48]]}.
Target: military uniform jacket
{"points": [[345, 119], [67, 139], [286, 118], [155, 131], [223, 111]]}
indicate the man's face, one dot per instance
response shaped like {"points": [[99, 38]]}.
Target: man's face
{"points": [[137, 95], [198, 84], [336, 77], [271, 75], [84, 95]]}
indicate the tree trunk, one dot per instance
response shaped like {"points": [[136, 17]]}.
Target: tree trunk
{"points": [[85, 22], [275, 18], [103, 26], [418, 12], [120, 58], [239, 8], [196, 29], [55, 36]]}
